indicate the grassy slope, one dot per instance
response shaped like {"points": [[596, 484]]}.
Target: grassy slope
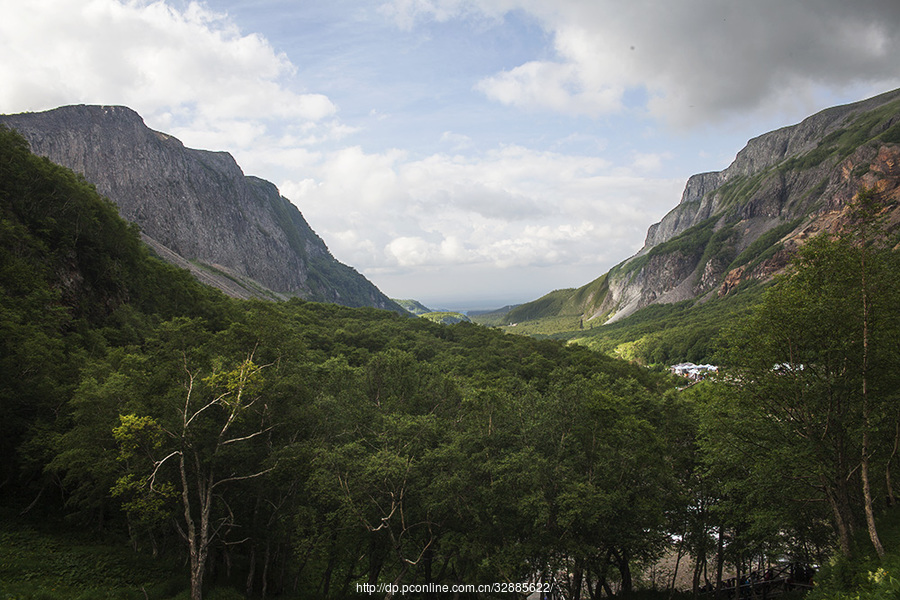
{"points": [[413, 306]]}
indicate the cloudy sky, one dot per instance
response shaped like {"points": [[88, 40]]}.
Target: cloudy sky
{"points": [[466, 153]]}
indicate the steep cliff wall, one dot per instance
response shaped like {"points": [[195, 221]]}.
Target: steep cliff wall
{"points": [[196, 204], [783, 182], [744, 222]]}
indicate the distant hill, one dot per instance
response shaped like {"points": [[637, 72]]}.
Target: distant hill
{"points": [[413, 306], [446, 318], [491, 318], [738, 227], [196, 208]]}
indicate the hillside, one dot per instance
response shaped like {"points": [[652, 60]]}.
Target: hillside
{"points": [[739, 226], [196, 208], [413, 306]]}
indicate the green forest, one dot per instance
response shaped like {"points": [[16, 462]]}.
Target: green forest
{"points": [[162, 440]]}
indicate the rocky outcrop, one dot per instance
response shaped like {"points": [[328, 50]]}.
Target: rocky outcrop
{"points": [[695, 206], [782, 186], [196, 207], [698, 201]]}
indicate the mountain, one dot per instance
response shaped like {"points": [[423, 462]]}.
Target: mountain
{"points": [[740, 225], [413, 306], [446, 317], [196, 208]]}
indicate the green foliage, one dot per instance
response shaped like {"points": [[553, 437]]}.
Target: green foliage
{"points": [[799, 433], [446, 318], [36, 564], [864, 577]]}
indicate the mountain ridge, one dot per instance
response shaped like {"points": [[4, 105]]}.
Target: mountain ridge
{"points": [[742, 223], [197, 208]]}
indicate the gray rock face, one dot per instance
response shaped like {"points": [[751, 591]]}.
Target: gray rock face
{"points": [[696, 205], [197, 204], [697, 201], [777, 196]]}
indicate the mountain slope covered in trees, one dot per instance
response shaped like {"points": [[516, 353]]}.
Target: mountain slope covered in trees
{"points": [[298, 445]]}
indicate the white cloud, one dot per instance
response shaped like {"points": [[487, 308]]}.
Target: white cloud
{"points": [[648, 162], [510, 208], [192, 71], [456, 141]]}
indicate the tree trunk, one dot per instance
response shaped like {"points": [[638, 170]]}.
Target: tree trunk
{"points": [[625, 571], [679, 554], [252, 571], [843, 529], [867, 495], [864, 467], [265, 572], [720, 560], [577, 580]]}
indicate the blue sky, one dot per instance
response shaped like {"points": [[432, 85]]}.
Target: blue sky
{"points": [[468, 154]]}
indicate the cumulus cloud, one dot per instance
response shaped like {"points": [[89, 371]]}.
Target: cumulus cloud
{"points": [[512, 207], [190, 71], [696, 61]]}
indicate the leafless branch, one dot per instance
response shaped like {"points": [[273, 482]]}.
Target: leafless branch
{"points": [[241, 478], [247, 437], [159, 464]]}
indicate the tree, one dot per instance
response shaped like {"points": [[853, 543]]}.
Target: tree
{"points": [[195, 451], [812, 373]]}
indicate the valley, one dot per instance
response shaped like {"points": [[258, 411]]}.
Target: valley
{"points": [[289, 431]]}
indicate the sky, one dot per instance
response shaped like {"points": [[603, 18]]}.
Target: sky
{"points": [[465, 153]]}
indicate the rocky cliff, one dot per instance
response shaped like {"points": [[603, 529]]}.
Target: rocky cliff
{"points": [[196, 208], [742, 223]]}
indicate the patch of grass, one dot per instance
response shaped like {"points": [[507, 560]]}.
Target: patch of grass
{"points": [[446, 318], [40, 565], [546, 326], [864, 576], [891, 135], [740, 188], [691, 242]]}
